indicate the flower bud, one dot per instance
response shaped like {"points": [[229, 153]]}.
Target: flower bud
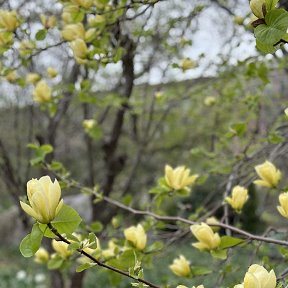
{"points": [[136, 235], [42, 92], [283, 208], [6, 39], [238, 20], [179, 178], [70, 14], [73, 31], [48, 21], [181, 267], [257, 8], [44, 199], [238, 199], [9, 20], [80, 50], [210, 101], [208, 240], [41, 256], [187, 64], [90, 34], [12, 76], [32, 78], [61, 248], [269, 174], [52, 72], [258, 277], [88, 124], [83, 3]]}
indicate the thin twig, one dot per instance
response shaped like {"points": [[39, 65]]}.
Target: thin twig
{"points": [[81, 251]]}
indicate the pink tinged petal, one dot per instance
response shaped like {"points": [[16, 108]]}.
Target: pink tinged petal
{"points": [[28, 209]]}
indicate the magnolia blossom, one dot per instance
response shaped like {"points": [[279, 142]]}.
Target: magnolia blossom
{"points": [[283, 208], [239, 198], [136, 235], [269, 174], [181, 267], [61, 248], [258, 277], [179, 178], [42, 92], [44, 199], [208, 240], [42, 255]]}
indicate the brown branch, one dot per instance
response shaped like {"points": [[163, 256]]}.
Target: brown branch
{"points": [[116, 270]]}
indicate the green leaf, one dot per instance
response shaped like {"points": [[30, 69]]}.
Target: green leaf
{"points": [[55, 263], [31, 243], [66, 221], [85, 266], [219, 254], [271, 4], [275, 27], [96, 226], [228, 241], [41, 35], [199, 270], [156, 246]]}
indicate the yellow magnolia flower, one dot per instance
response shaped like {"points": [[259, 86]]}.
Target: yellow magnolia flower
{"points": [[42, 92], [258, 277], [80, 50], [136, 235], [200, 286], [187, 64], [73, 31], [61, 248], [88, 124], [83, 3], [32, 78], [286, 112], [90, 34], [26, 47], [9, 20], [210, 101], [269, 174], [48, 21], [110, 251], [181, 286], [69, 13], [44, 199], [52, 72], [239, 198], [181, 266], [283, 208], [208, 240], [6, 39], [41, 256], [257, 7], [12, 76], [179, 178]]}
